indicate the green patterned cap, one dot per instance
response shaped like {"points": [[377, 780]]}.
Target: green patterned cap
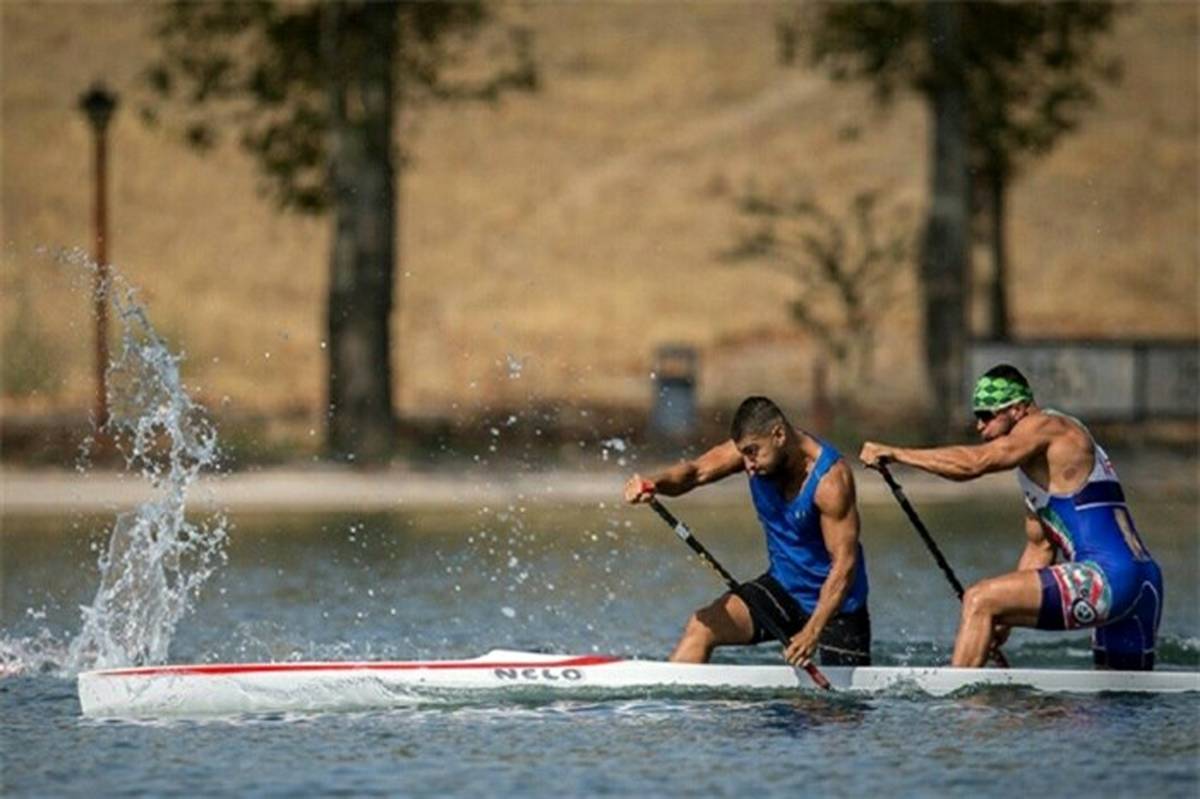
{"points": [[997, 393]]}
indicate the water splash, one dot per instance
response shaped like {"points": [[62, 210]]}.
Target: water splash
{"points": [[41, 652], [514, 365], [614, 445], [157, 559]]}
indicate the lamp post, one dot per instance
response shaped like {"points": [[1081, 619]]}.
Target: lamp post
{"points": [[98, 104]]}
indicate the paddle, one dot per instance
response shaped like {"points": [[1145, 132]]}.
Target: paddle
{"points": [[931, 545], [765, 620]]}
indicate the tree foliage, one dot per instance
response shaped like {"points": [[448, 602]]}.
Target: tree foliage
{"points": [[1031, 69], [1030, 72], [314, 90], [843, 265], [257, 67]]}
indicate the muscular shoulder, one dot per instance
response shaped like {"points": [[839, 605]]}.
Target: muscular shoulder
{"points": [[1069, 453], [835, 494], [1053, 429], [1040, 423], [1031, 435]]}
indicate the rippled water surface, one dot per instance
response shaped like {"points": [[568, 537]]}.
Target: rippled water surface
{"points": [[455, 583]]}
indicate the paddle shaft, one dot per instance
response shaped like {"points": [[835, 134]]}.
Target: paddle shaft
{"points": [[931, 545], [734, 586]]}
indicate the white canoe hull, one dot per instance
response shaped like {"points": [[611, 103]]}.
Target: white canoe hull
{"points": [[220, 689]]}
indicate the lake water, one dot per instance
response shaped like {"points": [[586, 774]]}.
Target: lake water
{"points": [[456, 582]]}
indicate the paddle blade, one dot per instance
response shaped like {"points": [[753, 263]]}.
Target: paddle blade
{"points": [[817, 677]]}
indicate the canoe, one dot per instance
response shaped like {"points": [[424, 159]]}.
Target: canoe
{"points": [[237, 688]]}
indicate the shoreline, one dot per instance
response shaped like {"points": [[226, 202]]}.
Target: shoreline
{"points": [[43, 492]]}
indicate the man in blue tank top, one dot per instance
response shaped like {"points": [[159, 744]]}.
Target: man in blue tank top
{"points": [[1076, 509], [816, 587]]}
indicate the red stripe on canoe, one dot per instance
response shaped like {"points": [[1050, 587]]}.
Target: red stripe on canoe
{"points": [[216, 669]]}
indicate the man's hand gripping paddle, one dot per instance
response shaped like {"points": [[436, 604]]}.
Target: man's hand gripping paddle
{"points": [[734, 586], [898, 493]]}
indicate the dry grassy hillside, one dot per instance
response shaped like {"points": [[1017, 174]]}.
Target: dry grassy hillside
{"points": [[551, 241]]}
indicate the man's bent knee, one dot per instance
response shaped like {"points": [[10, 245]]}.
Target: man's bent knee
{"points": [[977, 601], [698, 628], [717, 625]]}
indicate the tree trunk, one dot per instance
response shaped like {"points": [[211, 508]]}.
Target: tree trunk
{"points": [[945, 249], [997, 291], [359, 43]]}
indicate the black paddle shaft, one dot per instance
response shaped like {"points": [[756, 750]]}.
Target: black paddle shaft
{"points": [[734, 586], [942, 563], [685, 534]]}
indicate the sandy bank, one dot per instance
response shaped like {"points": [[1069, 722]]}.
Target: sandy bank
{"points": [[292, 489]]}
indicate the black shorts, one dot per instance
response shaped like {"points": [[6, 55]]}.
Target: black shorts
{"points": [[845, 641]]}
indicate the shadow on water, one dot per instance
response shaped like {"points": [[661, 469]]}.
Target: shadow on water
{"points": [[801, 717]]}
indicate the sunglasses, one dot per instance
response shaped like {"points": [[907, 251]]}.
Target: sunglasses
{"points": [[985, 416]]}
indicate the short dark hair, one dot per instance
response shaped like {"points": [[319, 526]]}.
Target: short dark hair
{"points": [[1008, 372], [755, 416]]}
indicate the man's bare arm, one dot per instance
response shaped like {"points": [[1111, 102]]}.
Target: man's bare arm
{"points": [[966, 462], [719, 462], [1038, 552], [835, 500]]}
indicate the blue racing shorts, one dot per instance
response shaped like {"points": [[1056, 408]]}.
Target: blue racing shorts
{"points": [[1122, 606]]}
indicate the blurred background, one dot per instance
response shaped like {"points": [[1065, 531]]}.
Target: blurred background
{"points": [[330, 330], [384, 233]]}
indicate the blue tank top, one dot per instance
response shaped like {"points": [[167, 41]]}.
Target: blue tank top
{"points": [[1093, 523], [795, 548]]}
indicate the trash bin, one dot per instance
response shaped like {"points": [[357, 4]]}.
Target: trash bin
{"points": [[674, 384]]}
